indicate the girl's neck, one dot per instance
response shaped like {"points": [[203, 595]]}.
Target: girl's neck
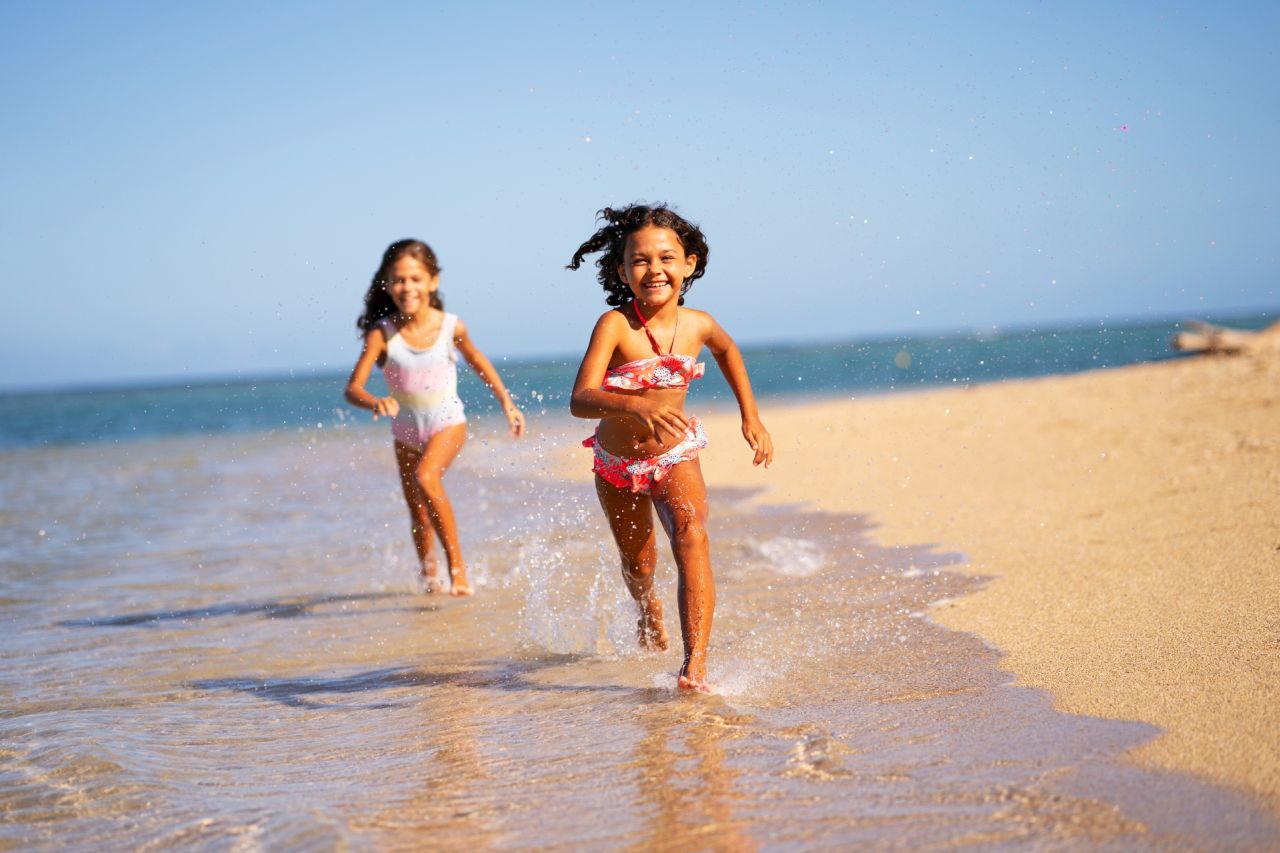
{"points": [[663, 313], [424, 318], [647, 323]]}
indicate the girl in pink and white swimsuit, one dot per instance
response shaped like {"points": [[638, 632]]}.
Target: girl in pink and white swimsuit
{"points": [[634, 378], [408, 334]]}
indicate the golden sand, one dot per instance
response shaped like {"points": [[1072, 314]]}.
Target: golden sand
{"points": [[1130, 519]]}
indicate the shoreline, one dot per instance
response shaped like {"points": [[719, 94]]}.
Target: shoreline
{"points": [[1127, 519]]}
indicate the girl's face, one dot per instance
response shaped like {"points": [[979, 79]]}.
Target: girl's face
{"points": [[655, 265], [411, 285]]}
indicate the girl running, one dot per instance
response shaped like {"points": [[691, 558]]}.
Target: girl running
{"points": [[408, 334], [634, 377]]}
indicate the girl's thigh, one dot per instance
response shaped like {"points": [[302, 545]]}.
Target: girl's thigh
{"points": [[681, 497], [442, 448], [630, 516], [407, 459]]}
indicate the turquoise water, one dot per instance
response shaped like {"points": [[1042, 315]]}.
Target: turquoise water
{"points": [[848, 367]]}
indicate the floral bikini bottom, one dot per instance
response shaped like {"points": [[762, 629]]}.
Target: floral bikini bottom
{"points": [[639, 475]]}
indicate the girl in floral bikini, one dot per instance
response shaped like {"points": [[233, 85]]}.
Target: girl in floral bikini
{"points": [[634, 377]]}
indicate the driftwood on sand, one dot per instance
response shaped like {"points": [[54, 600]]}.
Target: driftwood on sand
{"points": [[1206, 337]]}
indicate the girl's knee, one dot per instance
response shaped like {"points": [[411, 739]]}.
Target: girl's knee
{"points": [[430, 483], [638, 567], [689, 526]]}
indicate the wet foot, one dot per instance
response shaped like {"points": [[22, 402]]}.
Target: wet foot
{"points": [[431, 578], [649, 628], [460, 585], [693, 677], [684, 682]]}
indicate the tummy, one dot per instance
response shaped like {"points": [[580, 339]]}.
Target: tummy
{"points": [[622, 435]]}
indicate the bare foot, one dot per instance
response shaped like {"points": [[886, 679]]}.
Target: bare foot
{"points": [[652, 633], [684, 682], [461, 586], [693, 676], [433, 582]]}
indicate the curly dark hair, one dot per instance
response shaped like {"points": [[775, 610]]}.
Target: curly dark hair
{"points": [[612, 240], [377, 302]]}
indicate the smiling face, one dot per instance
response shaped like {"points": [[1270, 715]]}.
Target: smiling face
{"points": [[410, 285], [655, 265]]}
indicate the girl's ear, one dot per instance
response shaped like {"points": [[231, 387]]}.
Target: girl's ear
{"points": [[433, 283], [690, 264]]}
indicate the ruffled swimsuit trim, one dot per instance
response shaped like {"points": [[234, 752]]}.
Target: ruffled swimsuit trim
{"points": [[639, 475], [659, 371]]}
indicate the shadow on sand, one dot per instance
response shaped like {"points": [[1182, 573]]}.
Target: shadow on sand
{"points": [[504, 675], [287, 608]]}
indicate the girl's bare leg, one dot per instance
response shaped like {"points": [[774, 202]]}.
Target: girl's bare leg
{"points": [[442, 448], [407, 459], [681, 501], [631, 520]]}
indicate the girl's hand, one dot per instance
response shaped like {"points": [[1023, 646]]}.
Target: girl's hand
{"points": [[515, 418], [759, 439], [387, 407], [661, 418]]}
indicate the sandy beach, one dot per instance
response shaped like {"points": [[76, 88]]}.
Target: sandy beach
{"points": [[224, 639], [1129, 520]]}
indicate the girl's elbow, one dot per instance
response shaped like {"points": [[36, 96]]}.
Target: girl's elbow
{"points": [[580, 407]]}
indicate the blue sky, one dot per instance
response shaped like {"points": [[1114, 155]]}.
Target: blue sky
{"points": [[192, 191]]}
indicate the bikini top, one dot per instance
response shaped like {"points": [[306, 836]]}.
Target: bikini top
{"points": [[659, 371], [668, 370]]}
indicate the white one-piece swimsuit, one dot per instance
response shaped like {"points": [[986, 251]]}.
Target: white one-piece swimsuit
{"points": [[425, 384]]}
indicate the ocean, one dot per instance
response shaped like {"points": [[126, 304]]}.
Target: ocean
{"points": [[241, 405], [214, 640]]}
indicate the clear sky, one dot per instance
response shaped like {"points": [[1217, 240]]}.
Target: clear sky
{"points": [[192, 190]]}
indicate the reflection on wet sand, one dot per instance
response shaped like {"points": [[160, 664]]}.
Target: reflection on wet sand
{"points": [[688, 793], [450, 801]]}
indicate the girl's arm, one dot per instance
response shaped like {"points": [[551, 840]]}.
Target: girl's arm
{"points": [[729, 357], [589, 400], [489, 375], [375, 346]]}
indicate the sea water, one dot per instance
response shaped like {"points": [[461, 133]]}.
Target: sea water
{"points": [[47, 418], [213, 639]]}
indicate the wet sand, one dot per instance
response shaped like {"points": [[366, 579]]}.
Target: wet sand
{"points": [[1129, 518], [215, 642]]}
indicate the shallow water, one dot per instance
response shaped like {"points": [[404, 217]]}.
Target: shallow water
{"points": [[216, 643]]}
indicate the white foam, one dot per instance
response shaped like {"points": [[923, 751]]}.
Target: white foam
{"points": [[792, 557]]}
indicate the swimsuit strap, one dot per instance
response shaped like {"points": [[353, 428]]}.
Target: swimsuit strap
{"points": [[635, 303]]}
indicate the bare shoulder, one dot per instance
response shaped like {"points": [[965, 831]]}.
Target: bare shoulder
{"points": [[701, 321], [611, 323], [378, 335], [611, 317]]}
